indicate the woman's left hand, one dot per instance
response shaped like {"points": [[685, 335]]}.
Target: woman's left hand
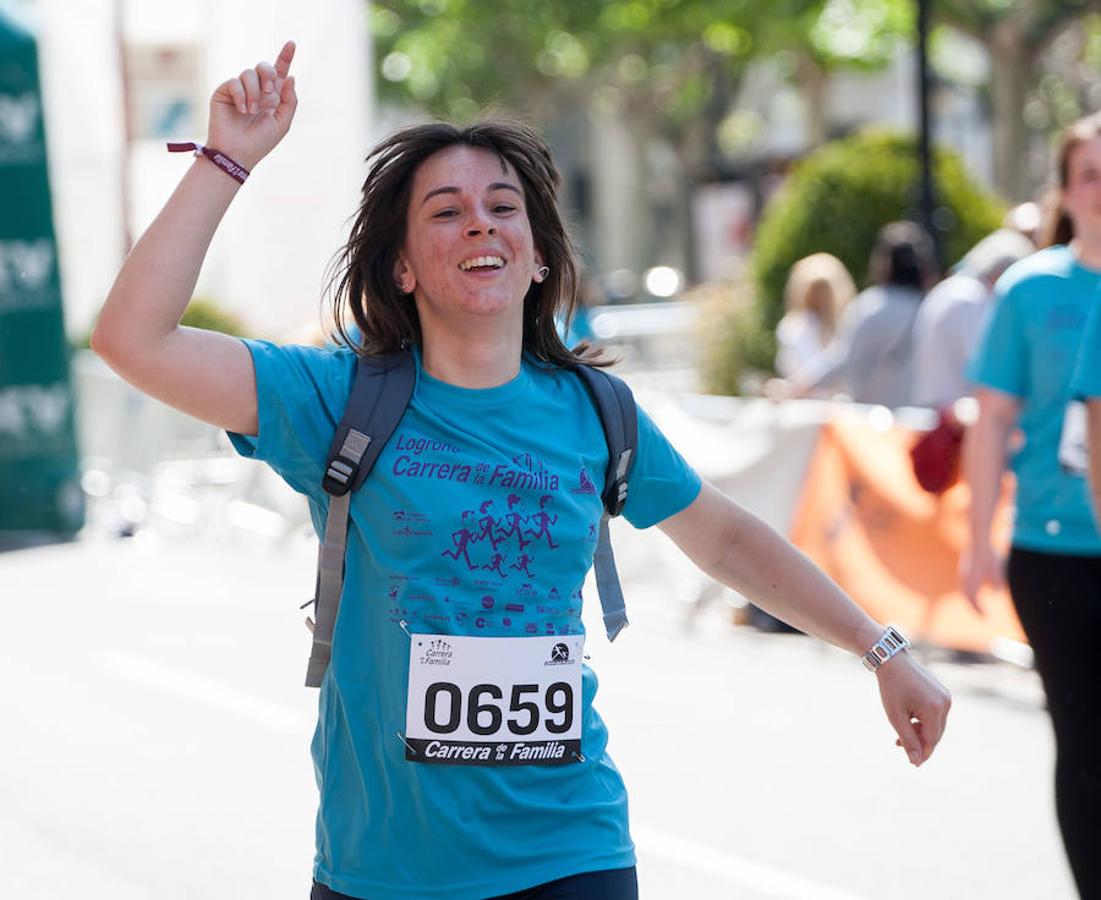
{"points": [[251, 113], [916, 704]]}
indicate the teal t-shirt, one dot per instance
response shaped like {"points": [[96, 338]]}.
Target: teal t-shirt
{"points": [[1087, 373], [480, 518], [1029, 350]]}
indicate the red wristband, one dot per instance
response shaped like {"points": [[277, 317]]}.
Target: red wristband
{"points": [[231, 167]]}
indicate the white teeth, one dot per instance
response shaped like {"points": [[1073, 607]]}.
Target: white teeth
{"points": [[482, 261]]}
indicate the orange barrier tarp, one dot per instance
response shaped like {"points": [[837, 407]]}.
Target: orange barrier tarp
{"points": [[893, 547]]}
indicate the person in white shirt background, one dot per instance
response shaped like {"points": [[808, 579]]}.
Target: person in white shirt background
{"points": [[818, 288], [870, 358], [951, 317]]}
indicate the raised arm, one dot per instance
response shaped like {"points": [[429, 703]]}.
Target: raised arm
{"points": [[735, 547], [984, 452], [205, 374]]}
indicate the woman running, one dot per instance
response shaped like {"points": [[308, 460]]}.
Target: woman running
{"points": [[458, 254]]}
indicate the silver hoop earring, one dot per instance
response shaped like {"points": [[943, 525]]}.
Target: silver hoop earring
{"points": [[542, 272]]}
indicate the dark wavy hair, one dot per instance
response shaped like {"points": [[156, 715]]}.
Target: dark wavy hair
{"points": [[363, 284], [903, 255], [1058, 227]]}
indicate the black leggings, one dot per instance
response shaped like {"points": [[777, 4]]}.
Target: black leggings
{"points": [[1058, 599], [610, 884]]}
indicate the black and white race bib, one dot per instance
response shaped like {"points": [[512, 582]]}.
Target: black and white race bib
{"points": [[1073, 452], [500, 701]]}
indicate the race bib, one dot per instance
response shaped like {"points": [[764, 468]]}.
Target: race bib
{"points": [[1073, 452], [481, 701]]}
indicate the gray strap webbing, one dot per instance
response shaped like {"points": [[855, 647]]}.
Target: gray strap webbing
{"points": [[380, 393], [619, 418], [330, 580], [607, 583]]}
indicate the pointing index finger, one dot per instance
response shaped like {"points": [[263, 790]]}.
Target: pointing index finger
{"points": [[283, 62]]}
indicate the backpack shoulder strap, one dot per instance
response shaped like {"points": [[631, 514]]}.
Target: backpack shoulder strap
{"points": [[380, 393], [619, 417]]}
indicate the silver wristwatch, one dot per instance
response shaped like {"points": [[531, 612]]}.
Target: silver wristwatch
{"points": [[891, 643]]}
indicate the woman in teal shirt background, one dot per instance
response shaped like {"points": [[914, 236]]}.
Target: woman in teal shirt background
{"points": [[1022, 372], [1087, 386]]}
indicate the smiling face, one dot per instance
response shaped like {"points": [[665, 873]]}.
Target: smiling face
{"points": [[1081, 196], [468, 248]]}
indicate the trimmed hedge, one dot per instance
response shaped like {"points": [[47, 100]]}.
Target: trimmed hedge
{"points": [[728, 334], [208, 314], [200, 313], [835, 201]]}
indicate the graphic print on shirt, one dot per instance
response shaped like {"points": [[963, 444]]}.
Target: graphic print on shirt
{"points": [[543, 519], [504, 543], [495, 540], [584, 484], [513, 522], [407, 463], [494, 564], [411, 524], [461, 539], [521, 564]]}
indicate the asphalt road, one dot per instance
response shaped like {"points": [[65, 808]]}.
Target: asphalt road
{"points": [[154, 741]]}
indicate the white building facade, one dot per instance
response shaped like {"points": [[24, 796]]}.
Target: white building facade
{"points": [[268, 260]]}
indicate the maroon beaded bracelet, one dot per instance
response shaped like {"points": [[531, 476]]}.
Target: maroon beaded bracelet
{"points": [[232, 168]]}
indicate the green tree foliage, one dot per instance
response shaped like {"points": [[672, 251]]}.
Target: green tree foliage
{"points": [[1069, 87], [668, 63], [840, 35], [672, 67], [835, 201], [1016, 35], [665, 62], [732, 338], [200, 313], [855, 33], [205, 313], [1040, 20]]}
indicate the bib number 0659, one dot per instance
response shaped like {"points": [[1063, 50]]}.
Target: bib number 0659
{"points": [[507, 701], [485, 711]]}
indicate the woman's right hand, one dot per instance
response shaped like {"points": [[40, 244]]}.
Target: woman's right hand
{"points": [[251, 113], [979, 565]]}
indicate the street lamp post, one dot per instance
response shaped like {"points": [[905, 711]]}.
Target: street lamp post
{"points": [[927, 200]]}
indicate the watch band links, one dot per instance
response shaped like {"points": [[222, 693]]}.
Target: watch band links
{"points": [[890, 644]]}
